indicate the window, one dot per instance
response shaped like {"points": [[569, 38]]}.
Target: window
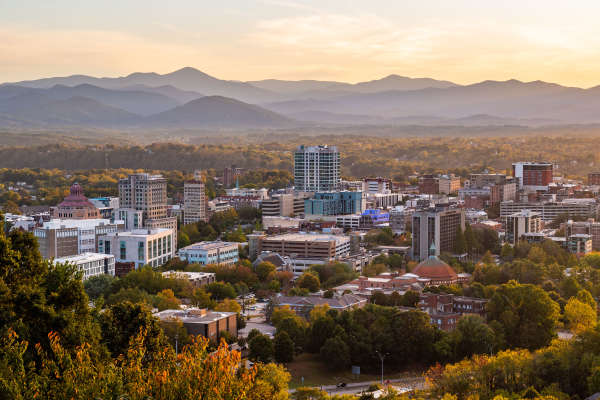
{"points": [[123, 251], [141, 252]]}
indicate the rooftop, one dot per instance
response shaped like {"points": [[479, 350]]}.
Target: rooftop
{"points": [[308, 237], [82, 258], [193, 315], [205, 246], [140, 232]]}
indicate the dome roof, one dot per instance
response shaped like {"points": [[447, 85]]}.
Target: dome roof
{"points": [[434, 268], [76, 198]]}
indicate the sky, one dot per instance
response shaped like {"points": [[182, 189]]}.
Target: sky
{"points": [[464, 41]]}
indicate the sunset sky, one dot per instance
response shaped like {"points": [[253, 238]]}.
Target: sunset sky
{"points": [[460, 40]]}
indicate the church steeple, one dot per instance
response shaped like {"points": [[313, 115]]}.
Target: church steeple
{"points": [[432, 250]]}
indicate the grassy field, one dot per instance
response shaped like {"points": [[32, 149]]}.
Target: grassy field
{"points": [[316, 373]]}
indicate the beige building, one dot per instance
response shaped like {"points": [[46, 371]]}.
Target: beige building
{"points": [[203, 322], [283, 205], [144, 192], [194, 201], [589, 227], [520, 223], [306, 245]]}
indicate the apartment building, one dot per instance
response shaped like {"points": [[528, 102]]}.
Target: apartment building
{"points": [[204, 253], [152, 247], [521, 223], [590, 227], [594, 178], [194, 200], [376, 185], [316, 168], [144, 192], [283, 205], [533, 175], [436, 227], [335, 203], [197, 279], [91, 264]]}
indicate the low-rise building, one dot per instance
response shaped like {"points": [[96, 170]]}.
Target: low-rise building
{"points": [[551, 210], [589, 227], [142, 246], [203, 322], [205, 253], [91, 264], [197, 279], [302, 305], [446, 309]]}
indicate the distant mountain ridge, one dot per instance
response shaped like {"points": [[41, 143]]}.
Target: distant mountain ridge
{"points": [[189, 97]]}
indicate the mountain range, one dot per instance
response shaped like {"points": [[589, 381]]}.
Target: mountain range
{"points": [[191, 98]]}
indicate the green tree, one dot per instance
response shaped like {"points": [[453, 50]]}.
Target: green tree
{"points": [[472, 336], [308, 281], [221, 290], [336, 353], [526, 313], [580, 316], [261, 348], [283, 347], [98, 286], [166, 300], [460, 243], [264, 270]]}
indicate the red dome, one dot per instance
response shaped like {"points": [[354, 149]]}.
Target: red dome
{"points": [[436, 269]]}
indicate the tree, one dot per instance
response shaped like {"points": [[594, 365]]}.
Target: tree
{"points": [[586, 297], [295, 327], [526, 313], [271, 383], [281, 312], [261, 348], [472, 336], [460, 243], [318, 311], [264, 270], [507, 253], [580, 316], [283, 347], [335, 353], [166, 300], [98, 286], [221, 290], [123, 321], [229, 305], [308, 281], [200, 298]]}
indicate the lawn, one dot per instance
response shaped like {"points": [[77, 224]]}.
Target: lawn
{"points": [[316, 373]]}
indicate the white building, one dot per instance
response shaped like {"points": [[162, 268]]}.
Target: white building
{"points": [[195, 278], [317, 168], [87, 230], [142, 246], [205, 253], [262, 193], [91, 264]]}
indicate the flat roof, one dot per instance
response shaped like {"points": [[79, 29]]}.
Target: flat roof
{"points": [[83, 257], [140, 232], [308, 237], [208, 245], [193, 315]]}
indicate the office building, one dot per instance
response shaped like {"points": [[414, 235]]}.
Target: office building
{"points": [[549, 211], [520, 223], [437, 227], [260, 194], [589, 227], [91, 264], [533, 175], [335, 203], [377, 185], [68, 237], [203, 322], [194, 200], [316, 168], [152, 247], [283, 205], [579, 243], [144, 192], [442, 184], [75, 206], [133, 219], [205, 253]]}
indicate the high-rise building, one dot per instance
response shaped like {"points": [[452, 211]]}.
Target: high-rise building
{"points": [[194, 200], [335, 203], [533, 175], [520, 223], [144, 192], [437, 227], [231, 175], [284, 205], [317, 168], [75, 206]]}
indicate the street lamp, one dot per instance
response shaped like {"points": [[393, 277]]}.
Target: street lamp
{"points": [[381, 358]]}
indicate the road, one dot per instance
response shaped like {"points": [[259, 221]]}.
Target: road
{"points": [[400, 384]]}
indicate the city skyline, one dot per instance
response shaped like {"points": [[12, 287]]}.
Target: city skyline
{"points": [[464, 42]]}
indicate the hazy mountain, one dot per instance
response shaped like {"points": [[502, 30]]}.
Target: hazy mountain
{"points": [[508, 99], [133, 101], [182, 96], [36, 109], [302, 86], [218, 111], [188, 78]]}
